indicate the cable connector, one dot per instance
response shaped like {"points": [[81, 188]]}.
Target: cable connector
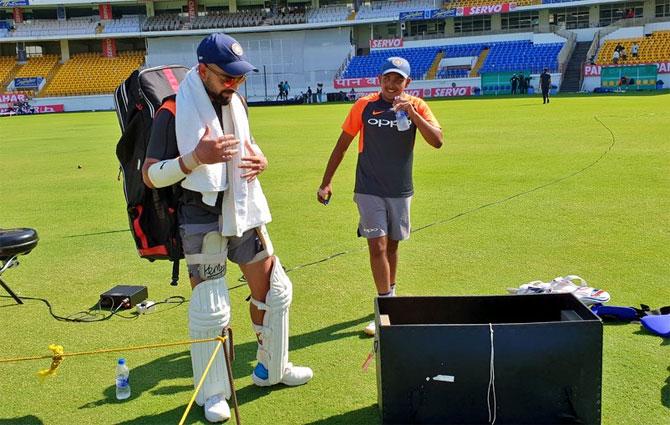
{"points": [[145, 307]]}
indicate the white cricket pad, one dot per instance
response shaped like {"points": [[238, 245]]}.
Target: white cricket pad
{"points": [[273, 348], [208, 314]]}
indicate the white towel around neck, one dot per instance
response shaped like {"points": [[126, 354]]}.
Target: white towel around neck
{"points": [[244, 204]]}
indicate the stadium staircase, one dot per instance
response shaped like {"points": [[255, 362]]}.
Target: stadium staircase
{"points": [[474, 72], [573, 72], [432, 71]]}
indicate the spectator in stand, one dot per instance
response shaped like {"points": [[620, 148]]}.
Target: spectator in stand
{"points": [[630, 13], [615, 57], [545, 85], [352, 94], [514, 81], [623, 54], [635, 49], [618, 47], [309, 94]]}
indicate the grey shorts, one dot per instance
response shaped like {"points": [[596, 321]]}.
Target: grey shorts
{"points": [[251, 247], [383, 216]]}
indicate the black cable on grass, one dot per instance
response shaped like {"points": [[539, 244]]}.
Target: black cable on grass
{"points": [[95, 314]]}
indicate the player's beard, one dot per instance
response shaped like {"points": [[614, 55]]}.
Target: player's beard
{"points": [[223, 97]]}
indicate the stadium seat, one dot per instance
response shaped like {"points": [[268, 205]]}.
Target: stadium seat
{"points": [[92, 74], [652, 48], [503, 56]]}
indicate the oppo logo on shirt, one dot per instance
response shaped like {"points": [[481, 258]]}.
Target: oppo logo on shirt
{"points": [[380, 122]]}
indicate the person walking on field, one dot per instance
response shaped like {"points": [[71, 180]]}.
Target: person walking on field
{"points": [[384, 189]]}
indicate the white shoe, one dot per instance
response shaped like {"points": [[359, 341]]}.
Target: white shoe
{"points": [[216, 409], [293, 376], [370, 329]]}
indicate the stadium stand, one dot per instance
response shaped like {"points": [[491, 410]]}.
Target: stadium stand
{"points": [[503, 56], [522, 55], [40, 66], [7, 65], [124, 24], [90, 73], [294, 17], [244, 18], [164, 22], [470, 3], [392, 9], [47, 27], [653, 48], [328, 14]]}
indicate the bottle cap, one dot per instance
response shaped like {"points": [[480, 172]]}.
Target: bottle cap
{"points": [[122, 361]]}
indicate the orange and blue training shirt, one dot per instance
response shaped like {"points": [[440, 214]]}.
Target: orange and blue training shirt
{"points": [[385, 155]]}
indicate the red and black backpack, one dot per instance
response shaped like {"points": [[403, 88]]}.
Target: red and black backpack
{"points": [[152, 213]]}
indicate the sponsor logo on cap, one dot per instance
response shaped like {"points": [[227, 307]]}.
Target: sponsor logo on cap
{"points": [[397, 62], [237, 49]]}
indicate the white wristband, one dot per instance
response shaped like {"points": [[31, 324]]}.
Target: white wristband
{"points": [[165, 173], [191, 160]]}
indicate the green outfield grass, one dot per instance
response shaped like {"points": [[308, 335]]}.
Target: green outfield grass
{"points": [[608, 224]]}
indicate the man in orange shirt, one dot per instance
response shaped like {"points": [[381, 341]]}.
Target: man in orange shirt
{"points": [[384, 189]]}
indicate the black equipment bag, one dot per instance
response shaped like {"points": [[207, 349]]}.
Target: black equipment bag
{"points": [[152, 213]]}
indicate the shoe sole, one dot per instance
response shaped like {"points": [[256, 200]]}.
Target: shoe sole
{"points": [[265, 383]]}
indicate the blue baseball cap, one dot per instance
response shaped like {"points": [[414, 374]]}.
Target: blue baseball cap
{"points": [[396, 64], [225, 52]]}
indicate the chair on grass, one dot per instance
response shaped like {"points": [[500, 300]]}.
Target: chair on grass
{"points": [[15, 242]]}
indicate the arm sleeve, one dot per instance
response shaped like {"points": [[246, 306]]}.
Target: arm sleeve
{"points": [[424, 110], [354, 121], [163, 140]]}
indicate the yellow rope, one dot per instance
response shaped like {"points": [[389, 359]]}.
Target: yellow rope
{"points": [[202, 379], [58, 355]]}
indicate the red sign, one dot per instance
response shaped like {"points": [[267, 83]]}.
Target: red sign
{"points": [[430, 92], [594, 70], [18, 15], [105, 11], [485, 10], [12, 97], [386, 43], [192, 6], [109, 48], [47, 109], [347, 83], [42, 109], [450, 91]]}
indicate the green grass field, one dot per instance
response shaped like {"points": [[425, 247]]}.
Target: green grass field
{"points": [[608, 224]]}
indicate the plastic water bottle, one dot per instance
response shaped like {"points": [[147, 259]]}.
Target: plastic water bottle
{"points": [[402, 120], [122, 380]]}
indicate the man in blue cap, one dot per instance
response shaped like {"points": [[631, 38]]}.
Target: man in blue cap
{"points": [[384, 189], [202, 140]]}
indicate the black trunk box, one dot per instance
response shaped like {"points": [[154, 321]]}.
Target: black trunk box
{"points": [[547, 360]]}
